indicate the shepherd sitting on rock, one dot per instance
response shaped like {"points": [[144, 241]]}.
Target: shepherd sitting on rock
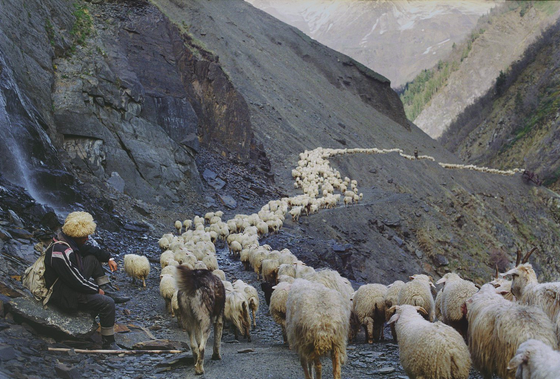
{"points": [[70, 262]]}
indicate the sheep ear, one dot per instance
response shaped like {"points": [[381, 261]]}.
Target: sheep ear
{"points": [[510, 272], [393, 318], [518, 360], [442, 280], [412, 277], [526, 257]]}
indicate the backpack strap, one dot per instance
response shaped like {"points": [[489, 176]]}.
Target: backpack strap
{"points": [[51, 288]]}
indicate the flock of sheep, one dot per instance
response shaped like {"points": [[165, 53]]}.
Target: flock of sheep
{"points": [[506, 328]]}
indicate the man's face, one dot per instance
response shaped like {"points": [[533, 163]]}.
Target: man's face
{"points": [[81, 240]]}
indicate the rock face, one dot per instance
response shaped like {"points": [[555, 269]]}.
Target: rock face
{"points": [[77, 325]]}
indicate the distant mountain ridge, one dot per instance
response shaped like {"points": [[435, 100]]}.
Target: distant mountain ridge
{"points": [[395, 38]]}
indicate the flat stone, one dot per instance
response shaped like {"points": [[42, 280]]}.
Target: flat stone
{"points": [[386, 370], [228, 201], [76, 325], [7, 352], [5, 235], [161, 344], [67, 372], [441, 260]]}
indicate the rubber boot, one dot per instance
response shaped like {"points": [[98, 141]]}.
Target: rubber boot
{"points": [[108, 343], [108, 289]]}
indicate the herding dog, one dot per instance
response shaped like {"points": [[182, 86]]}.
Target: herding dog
{"points": [[201, 297]]}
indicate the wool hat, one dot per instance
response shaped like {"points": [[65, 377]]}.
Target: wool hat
{"points": [[79, 224]]}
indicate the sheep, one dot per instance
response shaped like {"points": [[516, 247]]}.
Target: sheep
{"points": [[429, 350], [168, 270], [235, 247], [178, 226], [165, 257], [167, 286], [455, 293], [439, 298], [137, 267], [277, 306], [497, 327], [269, 270], [163, 243], [369, 305], [211, 262], [526, 288], [392, 298], [251, 295], [237, 312], [332, 279], [535, 360], [220, 274], [317, 322], [201, 299], [418, 292]]}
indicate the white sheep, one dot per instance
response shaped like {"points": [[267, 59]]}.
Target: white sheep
{"points": [[277, 306], [369, 305], [220, 274], [333, 280], [455, 293], [236, 311], [546, 296], [535, 360], [392, 298], [269, 270], [178, 226], [165, 257], [168, 270], [167, 287], [137, 267], [251, 295], [317, 323], [418, 292], [429, 350], [497, 327]]}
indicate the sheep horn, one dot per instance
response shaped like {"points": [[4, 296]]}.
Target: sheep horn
{"points": [[421, 310], [518, 259], [497, 273], [526, 257]]}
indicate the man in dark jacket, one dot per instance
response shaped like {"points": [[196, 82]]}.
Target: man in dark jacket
{"points": [[70, 263]]}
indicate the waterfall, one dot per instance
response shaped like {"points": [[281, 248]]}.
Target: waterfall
{"points": [[27, 157]]}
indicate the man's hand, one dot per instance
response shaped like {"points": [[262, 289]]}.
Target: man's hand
{"points": [[113, 265], [101, 292]]}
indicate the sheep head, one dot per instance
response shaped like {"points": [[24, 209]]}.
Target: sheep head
{"points": [[522, 275]]}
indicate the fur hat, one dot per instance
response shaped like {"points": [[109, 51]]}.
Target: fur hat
{"points": [[78, 225]]}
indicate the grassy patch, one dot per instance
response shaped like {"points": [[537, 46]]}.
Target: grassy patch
{"points": [[83, 25]]}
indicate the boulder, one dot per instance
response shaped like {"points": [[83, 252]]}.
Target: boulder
{"points": [[74, 325]]}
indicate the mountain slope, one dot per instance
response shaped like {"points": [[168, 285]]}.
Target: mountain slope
{"points": [[395, 38], [173, 89], [503, 42], [519, 124]]}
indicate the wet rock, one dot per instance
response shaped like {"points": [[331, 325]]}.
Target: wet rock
{"points": [[15, 219], [75, 325], [136, 227], [419, 253]]}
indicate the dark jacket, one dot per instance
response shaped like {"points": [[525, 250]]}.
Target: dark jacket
{"points": [[65, 262]]}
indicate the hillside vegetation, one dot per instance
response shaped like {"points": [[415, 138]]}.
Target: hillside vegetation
{"points": [[517, 122], [435, 98]]}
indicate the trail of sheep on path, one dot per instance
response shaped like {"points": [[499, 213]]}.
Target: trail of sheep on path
{"points": [[266, 356]]}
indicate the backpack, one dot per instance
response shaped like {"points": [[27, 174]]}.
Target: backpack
{"points": [[34, 278]]}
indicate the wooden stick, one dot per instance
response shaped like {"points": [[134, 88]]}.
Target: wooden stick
{"points": [[86, 351]]}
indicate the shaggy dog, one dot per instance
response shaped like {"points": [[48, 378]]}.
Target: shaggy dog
{"points": [[201, 297]]}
